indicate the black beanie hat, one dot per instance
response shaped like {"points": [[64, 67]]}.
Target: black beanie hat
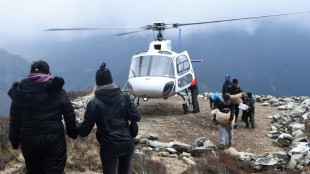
{"points": [[40, 66], [103, 76]]}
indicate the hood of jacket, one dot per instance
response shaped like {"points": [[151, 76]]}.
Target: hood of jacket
{"points": [[108, 95], [28, 93]]}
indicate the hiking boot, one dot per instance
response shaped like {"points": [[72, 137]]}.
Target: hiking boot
{"points": [[222, 146], [236, 124], [229, 145]]}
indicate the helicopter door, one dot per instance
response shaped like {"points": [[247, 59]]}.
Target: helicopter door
{"points": [[184, 71]]}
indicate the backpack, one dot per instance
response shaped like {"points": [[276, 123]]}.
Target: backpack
{"points": [[133, 126]]}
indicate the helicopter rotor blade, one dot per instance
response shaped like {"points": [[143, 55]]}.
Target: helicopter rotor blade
{"points": [[176, 25], [122, 34], [103, 28]]}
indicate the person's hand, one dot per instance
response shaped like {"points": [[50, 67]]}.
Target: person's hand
{"points": [[247, 110], [229, 121]]}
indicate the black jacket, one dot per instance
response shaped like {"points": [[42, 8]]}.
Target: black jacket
{"points": [[250, 102], [228, 108], [37, 109], [231, 90], [108, 111]]}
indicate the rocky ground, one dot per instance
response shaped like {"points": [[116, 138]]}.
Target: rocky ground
{"points": [[264, 146], [167, 120]]}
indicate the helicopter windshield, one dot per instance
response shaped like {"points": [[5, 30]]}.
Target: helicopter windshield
{"points": [[159, 66]]}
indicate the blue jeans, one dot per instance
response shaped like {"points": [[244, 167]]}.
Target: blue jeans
{"points": [[229, 130]]}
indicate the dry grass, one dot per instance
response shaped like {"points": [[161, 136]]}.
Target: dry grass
{"points": [[83, 154], [8, 155], [80, 93], [225, 164], [143, 164]]}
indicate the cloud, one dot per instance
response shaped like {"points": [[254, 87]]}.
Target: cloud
{"points": [[25, 21]]}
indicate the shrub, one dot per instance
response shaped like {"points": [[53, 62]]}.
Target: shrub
{"points": [[225, 164], [143, 163], [80, 93]]}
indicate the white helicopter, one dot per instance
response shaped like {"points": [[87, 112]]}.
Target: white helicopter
{"points": [[161, 72]]}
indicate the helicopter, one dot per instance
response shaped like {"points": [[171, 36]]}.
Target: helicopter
{"points": [[161, 72]]}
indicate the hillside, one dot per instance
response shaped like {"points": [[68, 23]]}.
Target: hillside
{"points": [[164, 121], [12, 68]]}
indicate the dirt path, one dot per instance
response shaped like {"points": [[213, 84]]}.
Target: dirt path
{"points": [[166, 118]]}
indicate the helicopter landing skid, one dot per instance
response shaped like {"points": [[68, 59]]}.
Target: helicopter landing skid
{"points": [[187, 103]]}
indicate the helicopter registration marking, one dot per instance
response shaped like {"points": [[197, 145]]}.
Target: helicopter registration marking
{"points": [[147, 78]]}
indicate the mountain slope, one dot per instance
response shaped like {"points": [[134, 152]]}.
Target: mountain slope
{"points": [[12, 68]]}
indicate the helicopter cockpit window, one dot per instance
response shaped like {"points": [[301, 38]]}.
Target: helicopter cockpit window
{"points": [[182, 65], [158, 66]]}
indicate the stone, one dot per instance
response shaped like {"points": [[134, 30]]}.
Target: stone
{"points": [[189, 161], [173, 155], [281, 155], [287, 100], [199, 142], [209, 144], [300, 148], [283, 107], [305, 117], [290, 105], [163, 154], [143, 141], [298, 134], [285, 139], [150, 136], [295, 159], [232, 151], [200, 151], [265, 104], [298, 111], [274, 134], [181, 147], [157, 144], [185, 154], [244, 156], [171, 150], [273, 128], [267, 161], [302, 139], [274, 102], [295, 127]]}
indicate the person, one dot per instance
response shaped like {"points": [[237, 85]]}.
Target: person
{"points": [[110, 110], [194, 92], [232, 90], [38, 105], [249, 113], [215, 101], [227, 107], [226, 84]]}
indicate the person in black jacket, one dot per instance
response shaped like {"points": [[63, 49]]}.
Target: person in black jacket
{"points": [[110, 111], [38, 104], [232, 90], [227, 107], [249, 113], [194, 92]]}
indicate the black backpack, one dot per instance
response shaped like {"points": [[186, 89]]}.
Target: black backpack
{"points": [[133, 126]]}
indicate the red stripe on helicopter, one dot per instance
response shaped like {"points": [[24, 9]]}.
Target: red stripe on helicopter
{"points": [[193, 83]]}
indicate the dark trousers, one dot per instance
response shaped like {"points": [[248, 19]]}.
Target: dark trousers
{"points": [[44, 154], [110, 164], [249, 117], [194, 93], [236, 112]]}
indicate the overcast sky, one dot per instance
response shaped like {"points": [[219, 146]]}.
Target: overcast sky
{"points": [[24, 21]]}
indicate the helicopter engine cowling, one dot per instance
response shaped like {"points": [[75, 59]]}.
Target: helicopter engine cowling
{"points": [[152, 87]]}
